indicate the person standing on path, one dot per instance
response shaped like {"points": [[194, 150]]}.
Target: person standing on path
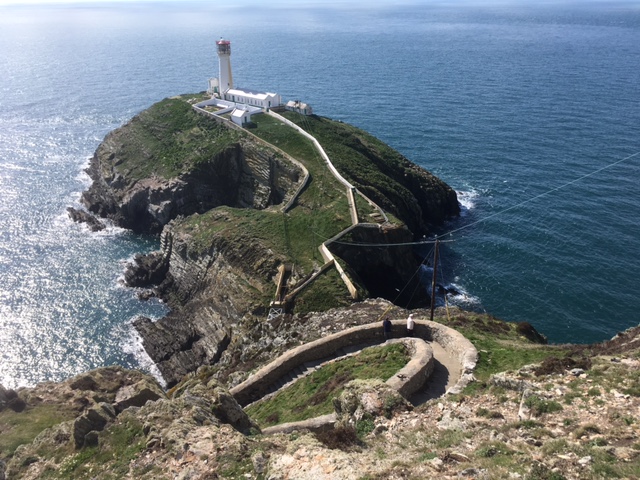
{"points": [[410, 325], [386, 328]]}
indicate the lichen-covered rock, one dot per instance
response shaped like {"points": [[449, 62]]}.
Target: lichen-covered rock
{"points": [[138, 394], [219, 401], [368, 399], [229, 411], [94, 419]]}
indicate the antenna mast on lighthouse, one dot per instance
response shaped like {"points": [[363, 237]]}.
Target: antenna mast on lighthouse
{"points": [[224, 57]]}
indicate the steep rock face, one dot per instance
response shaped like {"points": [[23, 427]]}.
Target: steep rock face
{"points": [[385, 272], [242, 175], [210, 290]]}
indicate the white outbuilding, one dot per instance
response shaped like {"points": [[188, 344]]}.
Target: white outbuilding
{"points": [[298, 106], [241, 116], [264, 100]]}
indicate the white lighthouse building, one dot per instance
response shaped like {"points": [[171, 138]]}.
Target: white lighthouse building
{"points": [[223, 87]]}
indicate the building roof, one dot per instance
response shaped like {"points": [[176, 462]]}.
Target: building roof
{"points": [[239, 112], [297, 104], [250, 93]]}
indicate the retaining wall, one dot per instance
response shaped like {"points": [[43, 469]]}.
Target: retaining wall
{"points": [[256, 386]]}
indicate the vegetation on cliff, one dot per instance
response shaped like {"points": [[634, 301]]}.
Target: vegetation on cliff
{"points": [[168, 140], [573, 414]]}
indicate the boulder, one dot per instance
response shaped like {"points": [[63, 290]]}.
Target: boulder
{"points": [[137, 395], [17, 404], [84, 382], [94, 419], [227, 410], [368, 398], [10, 399]]}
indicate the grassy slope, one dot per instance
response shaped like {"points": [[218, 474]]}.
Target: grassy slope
{"points": [[169, 138], [320, 213], [19, 428], [312, 395]]}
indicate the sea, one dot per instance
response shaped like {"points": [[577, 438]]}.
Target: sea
{"points": [[531, 111]]}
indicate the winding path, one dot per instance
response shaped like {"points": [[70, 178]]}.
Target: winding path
{"points": [[451, 356]]}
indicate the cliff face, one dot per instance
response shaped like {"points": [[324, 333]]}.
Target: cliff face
{"points": [[385, 272], [212, 190], [210, 291], [140, 186]]}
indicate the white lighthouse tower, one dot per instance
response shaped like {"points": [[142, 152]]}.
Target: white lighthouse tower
{"points": [[226, 96], [224, 57]]}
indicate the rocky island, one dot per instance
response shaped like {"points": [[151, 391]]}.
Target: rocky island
{"points": [[268, 262], [234, 205]]}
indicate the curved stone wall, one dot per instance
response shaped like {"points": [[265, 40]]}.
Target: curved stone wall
{"points": [[256, 386]]}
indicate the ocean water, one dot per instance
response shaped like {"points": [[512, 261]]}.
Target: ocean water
{"points": [[531, 112]]}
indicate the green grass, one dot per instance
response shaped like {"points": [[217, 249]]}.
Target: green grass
{"points": [[499, 345], [118, 445], [312, 395], [169, 138], [328, 291], [19, 428], [377, 170], [540, 406]]}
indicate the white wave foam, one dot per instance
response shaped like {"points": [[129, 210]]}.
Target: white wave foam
{"points": [[133, 346], [459, 297], [467, 199]]}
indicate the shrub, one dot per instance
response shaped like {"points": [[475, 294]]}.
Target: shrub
{"points": [[339, 438], [540, 406], [492, 449], [364, 427], [585, 430]]}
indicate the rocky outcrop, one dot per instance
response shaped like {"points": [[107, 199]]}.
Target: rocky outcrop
{"points": [[9, 399], [243, 175], [146, 270], [93, 420], [368, 399], [82, 216], [137, 395], [209, 290]]}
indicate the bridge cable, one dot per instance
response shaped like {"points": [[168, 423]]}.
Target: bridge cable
{"points": [[542, 194]]}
